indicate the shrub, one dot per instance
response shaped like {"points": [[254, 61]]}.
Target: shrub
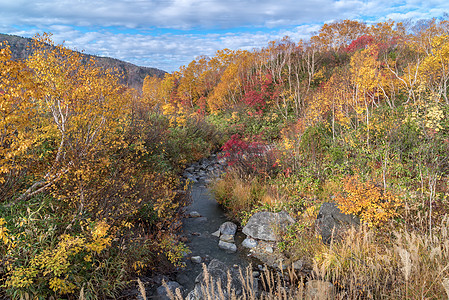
{"points": [[370, 202]]}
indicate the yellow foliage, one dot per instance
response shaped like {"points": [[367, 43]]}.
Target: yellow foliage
{"points": [[368, 201]]}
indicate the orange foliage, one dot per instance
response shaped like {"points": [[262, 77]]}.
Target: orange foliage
{"points": [[373, 205]]}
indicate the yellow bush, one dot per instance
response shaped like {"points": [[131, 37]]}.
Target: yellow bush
{"points": [[373, 205]]}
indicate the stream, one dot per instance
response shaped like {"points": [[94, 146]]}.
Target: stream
{"points": [[201, 242]]}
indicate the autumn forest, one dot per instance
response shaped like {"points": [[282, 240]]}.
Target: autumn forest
{"points": [[90, 189]]}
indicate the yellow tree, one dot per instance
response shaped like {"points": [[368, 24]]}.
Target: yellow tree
{"points": [[434, 70], [16, 132], [80, 105], [226, 93], [364, 77], [150, 90], [338, 34]]}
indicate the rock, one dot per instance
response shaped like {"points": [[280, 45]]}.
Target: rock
{"points": [[217, 233], [267, 253], [249, 243], [332, 222], [162, 290], [196, 259], [267, 226], [319, 290], [227, 238], [217, 271], [194, 214], [228, 228], [227, 246], [297, 265]]}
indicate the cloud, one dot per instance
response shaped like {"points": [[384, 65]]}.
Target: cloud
{"points": [[170, 33]]}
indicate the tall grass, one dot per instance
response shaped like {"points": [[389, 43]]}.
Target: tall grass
{"points": [[404, 265]]}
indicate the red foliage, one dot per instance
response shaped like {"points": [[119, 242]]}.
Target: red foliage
{"points": [[260, 88], [360, 43], [250, 157]]}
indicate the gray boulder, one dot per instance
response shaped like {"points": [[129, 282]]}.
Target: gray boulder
{"points": [[227, 246], [331, 222], [228, 228], [267, 226]]}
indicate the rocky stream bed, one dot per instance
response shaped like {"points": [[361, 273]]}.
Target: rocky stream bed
{"points": [[224, 247]]}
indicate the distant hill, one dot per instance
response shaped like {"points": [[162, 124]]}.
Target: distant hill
{"points": [[133, 75]]}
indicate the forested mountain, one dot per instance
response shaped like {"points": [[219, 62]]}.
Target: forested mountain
{"points": [[133, 75]]}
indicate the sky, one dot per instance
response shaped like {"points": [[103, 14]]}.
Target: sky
{"points": [[167, 34]]}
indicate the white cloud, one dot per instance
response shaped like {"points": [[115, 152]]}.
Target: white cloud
{"points": [[169, 33]]}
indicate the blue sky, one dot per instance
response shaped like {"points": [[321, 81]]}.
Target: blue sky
{"points": [[169, 33]]}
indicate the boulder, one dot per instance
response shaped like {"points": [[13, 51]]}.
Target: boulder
{"points": [[162, 293], [228, 228], [331, 222], [267, 226], [227, 246]]}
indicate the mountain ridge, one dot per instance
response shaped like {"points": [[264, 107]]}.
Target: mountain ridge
{"points": [[133, 75]]}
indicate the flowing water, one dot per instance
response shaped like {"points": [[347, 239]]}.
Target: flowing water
{"points": [[201, 242]]}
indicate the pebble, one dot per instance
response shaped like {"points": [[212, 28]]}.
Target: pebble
{"points": [[196, 259], [249, 243], [194, 214]]}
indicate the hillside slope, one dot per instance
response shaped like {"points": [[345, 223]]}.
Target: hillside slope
{"points": [[133, 75]]}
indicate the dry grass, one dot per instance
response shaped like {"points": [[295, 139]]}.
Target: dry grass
{"points": [[405, 265]]}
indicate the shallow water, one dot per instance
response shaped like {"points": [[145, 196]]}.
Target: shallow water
{"points": [[201, 241]]}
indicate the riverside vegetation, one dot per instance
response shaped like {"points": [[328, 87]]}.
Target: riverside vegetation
{"points": [[357, 115]]}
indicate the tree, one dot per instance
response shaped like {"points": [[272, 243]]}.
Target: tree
{"points": [[16, 115], [79, 107]]}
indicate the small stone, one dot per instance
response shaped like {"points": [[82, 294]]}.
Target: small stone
{"points": [[194, 214], [269, 249], [227, 238], [196, 233], [227, 246], [196, 259], [228, 228], [216, 233], [256, 273], [297, 265], [249, 243]]}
